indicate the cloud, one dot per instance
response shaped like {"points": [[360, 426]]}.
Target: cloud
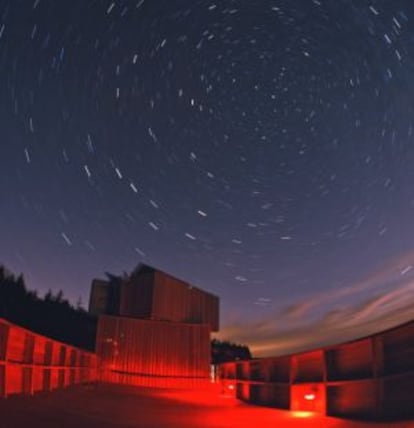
{"points": [[295, 328], [337, 326], [392, 273]]}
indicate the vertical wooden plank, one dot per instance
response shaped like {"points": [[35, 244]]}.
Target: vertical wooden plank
{"points": [[28, 355], [62, 363], [29, 345], [27, 375], [48, 355], [3, 380], [309, 367], [83, 378], [292, 377], [4, 336], [16, 344], [46, 380], [153, 352], [55, 355], [62, 355], [324, 385], [72, 376], [61, 378], [47, 362], [72, 357], [378, 370], [15, 352], [293, 368]]}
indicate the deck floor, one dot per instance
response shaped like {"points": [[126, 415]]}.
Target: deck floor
{"points": [[110, 406]]}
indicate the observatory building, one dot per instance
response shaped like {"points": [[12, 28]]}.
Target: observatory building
{"points": [[153, 329]]}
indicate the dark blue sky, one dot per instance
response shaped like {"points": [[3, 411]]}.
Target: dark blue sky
{"points": [[261, 149]]}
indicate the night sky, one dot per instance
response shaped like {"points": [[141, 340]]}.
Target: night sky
{"points": [[259, 149]]}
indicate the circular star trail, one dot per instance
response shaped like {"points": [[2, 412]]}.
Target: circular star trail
{"points": [[259, 149]]}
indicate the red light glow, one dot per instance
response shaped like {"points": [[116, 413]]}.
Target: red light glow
{"points": [[301, 414]]}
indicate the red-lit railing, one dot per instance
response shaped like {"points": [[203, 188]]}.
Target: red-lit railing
{"points": [[32, 363], [372, 378]]}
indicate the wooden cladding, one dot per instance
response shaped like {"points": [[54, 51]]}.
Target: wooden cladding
{"points": [[30, 363], [159, 333], [177, 301], [350, 361], [308, 367], [398, 396], [153, 353], [153, 294], [279, 369], [368, 378], [353, 399], [137, 296], [270, 395], [149, 293], [4, 335], [398, 350], [100, 297]]}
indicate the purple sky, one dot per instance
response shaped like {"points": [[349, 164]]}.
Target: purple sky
{"points": [[261, 149]]}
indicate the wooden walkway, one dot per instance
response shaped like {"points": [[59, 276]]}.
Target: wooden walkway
{"points": [[107, 406]]}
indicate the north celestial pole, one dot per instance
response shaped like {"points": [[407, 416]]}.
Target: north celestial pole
{"points": [[261, 149]]}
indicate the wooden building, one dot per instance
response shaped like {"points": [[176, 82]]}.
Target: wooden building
{"points": [[153, 329], [150, 293]]}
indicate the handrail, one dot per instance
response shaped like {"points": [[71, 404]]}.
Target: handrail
{"points": [[370, 377]]}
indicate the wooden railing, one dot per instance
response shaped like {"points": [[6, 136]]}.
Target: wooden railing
{"points": [[32, 363], [370, 378]]}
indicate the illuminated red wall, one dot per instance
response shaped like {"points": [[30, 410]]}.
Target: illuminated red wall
{"points": [[308, 397], [30, 362], [368, 378], [156, 353]]}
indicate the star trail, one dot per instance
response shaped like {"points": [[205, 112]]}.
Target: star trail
{"points": [[260, 149]]}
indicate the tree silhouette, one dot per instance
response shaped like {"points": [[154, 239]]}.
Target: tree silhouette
{"points": [[52, 316], [224, 351]]}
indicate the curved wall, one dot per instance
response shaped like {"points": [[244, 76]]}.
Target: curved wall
{"points": [[372, 378]]}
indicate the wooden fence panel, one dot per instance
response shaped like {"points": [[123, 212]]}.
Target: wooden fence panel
{"points": [[32, 363], [154, 353], [372, 377]]}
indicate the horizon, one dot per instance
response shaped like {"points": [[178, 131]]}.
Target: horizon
{"points": [[298, 340]]}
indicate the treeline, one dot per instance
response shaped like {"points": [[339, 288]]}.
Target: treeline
{"points": [[224, 351], [51, 315]]}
